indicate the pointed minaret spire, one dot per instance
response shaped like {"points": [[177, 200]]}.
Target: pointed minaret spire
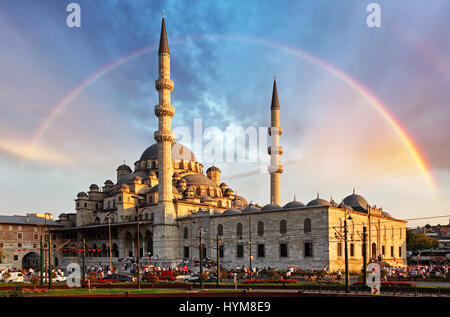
{"points": [[163, 43], [275, 104], [295, 199], [353, 190]]}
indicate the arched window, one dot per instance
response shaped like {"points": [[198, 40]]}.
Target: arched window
{"points": [[283, 226], [220, 230], [186, 233], [307, 225], [239, 229], [260, 228]]}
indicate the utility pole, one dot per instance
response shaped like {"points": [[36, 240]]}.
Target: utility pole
{"points": [[138, 246], [346, 252], [41, 261], [49, 260], [201, 256], [138, 251], [109, 231], [250, 241], [364, 255], [83, 251], [218, 260]]}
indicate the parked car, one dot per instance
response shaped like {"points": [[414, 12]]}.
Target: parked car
{"points": [[14, 277], [162, 275], [114, 278], [195, 279]]}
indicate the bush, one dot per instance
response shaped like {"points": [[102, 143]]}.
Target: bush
{"points": [[273, 273], [5, 276], [203, 277], [267, 280], [153, 279], [34, 280], [17, 292]]}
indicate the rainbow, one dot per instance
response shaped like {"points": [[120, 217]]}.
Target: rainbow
{"points": [[406, 139]]}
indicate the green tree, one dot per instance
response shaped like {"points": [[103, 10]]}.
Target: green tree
{"points": [[420, 241]]}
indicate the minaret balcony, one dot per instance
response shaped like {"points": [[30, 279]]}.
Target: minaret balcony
{"points": [[279, 129], [164, 110], [164, 136], [280, 150], [164, 83], [275, 169]]}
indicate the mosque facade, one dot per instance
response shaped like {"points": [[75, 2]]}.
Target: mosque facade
{"points": [[183, 214]]}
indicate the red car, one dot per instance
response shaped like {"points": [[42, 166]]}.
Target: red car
{"points": [[162, 275]]}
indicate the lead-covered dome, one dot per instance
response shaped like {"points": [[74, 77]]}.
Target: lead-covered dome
{"points": [[318, 202], [231, 211], [198, 179], [270, 207], [294, 204], [357, 202], [179, 152]]}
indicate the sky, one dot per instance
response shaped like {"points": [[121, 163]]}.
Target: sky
{"points": [[361, 107]]}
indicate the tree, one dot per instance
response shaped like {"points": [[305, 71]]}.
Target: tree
{"points": [[153, 279], [34, 280], [420, 241]]}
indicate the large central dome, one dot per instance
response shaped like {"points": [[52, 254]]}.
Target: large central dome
{"points": [[179, 152]]}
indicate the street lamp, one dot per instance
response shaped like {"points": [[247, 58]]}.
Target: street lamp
{"points": [[109, 234], [200, 229], [138, 198], [346, 248]]}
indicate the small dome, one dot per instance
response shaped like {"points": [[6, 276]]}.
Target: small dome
{"points": [[386, 214], [270, 207], [223, 185], [124, 167], [231, 211], [82, 194], [294, 204], [357, 202], [318, 202], [109, 182], [93, 187], [251, 208], [127, 179], [213, 169], [333, 203]]}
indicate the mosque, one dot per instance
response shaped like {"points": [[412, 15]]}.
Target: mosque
{"points": [[182, 213]]}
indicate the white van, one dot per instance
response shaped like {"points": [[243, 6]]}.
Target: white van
{"points": [[15, 277]]}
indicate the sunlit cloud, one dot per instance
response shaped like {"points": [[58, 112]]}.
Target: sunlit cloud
{"points": [[24, 151]]}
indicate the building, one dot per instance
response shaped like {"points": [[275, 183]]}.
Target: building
{"points": [[20, 240], [179, 209]]}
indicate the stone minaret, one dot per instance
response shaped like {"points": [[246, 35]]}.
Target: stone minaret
{"points": [[164, 222], [275, 150]]}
